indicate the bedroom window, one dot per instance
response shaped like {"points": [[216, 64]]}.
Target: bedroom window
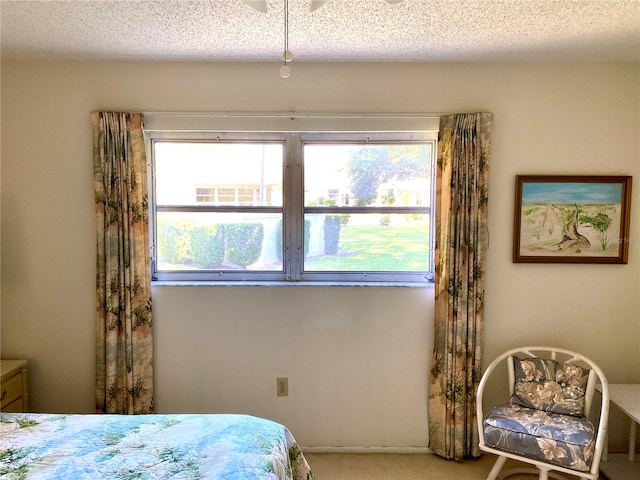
{"points": [[312, 207]]}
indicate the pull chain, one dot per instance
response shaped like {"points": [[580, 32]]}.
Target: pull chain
{"points": [[285, 70]]}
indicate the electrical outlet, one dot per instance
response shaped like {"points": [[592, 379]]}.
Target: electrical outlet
{"points": [[282, 387]]}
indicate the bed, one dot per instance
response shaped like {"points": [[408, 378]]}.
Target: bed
{"points": [[175, 446]]}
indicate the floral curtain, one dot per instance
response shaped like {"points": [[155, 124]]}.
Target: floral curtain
{"points": [[461, 242], [124, 346]]}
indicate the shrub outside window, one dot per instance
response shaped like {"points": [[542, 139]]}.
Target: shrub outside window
{"points": [[292, 207]]}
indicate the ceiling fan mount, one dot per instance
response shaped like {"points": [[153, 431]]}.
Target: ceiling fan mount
{"points": [[261, 5]]}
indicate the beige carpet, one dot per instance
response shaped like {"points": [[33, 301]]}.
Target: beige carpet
{"points": [[391, 466]]}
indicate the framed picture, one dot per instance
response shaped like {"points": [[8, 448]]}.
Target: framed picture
{"points": [[571, 219]]}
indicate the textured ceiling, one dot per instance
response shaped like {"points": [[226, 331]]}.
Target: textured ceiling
{"points": [[341, 30]]}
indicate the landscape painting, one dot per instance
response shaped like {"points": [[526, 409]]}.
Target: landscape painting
{"points": [[571, 219]]}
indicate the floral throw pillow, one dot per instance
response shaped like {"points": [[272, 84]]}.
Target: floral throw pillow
{"points": [[550, 386]]}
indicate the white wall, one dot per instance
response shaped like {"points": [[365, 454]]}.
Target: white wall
{"points": [[357, 358]]}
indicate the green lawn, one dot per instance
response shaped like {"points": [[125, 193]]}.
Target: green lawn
{"points": [[377, 248]]}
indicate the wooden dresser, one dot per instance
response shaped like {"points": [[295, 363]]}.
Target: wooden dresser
{"points": [[15, 395]]}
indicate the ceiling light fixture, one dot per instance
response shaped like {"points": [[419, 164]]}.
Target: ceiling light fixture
{"points": [[285, 70]]}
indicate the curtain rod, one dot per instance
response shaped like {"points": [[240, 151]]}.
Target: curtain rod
{"points": [[293, 115]]}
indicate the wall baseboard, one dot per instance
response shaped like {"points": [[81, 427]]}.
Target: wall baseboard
{"points": [[310, 449]]}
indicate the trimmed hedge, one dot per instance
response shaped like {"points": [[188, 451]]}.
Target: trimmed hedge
{"points": [[183, 242], [207, 244], [173, 243], [244, 243], [332, 226]]}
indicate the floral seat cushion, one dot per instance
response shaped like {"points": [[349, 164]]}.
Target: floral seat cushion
{"points": [[549, 385], [559, 439]]}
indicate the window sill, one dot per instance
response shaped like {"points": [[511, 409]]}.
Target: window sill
{"points": [[192, 283]]}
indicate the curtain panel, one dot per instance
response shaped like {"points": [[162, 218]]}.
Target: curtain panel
{"points": [[460, 246], [124, 345]]}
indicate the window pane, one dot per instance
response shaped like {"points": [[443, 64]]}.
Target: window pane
{"points": [[228, 174], [245, 196], [367, 242], [219, 241], [205, 195], [367, 175]]}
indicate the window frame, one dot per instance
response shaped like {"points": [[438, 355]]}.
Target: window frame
{"points": [[370, 138], [293, 208]]}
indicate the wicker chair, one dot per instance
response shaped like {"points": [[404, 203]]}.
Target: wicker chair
{"points": [[546, 422]]}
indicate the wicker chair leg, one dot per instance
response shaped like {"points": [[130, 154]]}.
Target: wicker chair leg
{"points": [[493, 474]]}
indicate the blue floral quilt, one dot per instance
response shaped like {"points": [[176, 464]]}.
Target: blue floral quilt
{"points": [[181, 446]]}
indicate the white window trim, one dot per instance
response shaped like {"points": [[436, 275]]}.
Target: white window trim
{"points": [[289, 122]]}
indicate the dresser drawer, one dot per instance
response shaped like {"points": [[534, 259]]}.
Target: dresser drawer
{"points": [[14, 407], [11, 389]]}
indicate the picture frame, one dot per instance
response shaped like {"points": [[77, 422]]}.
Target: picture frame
{"points": [[571, 219]]}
